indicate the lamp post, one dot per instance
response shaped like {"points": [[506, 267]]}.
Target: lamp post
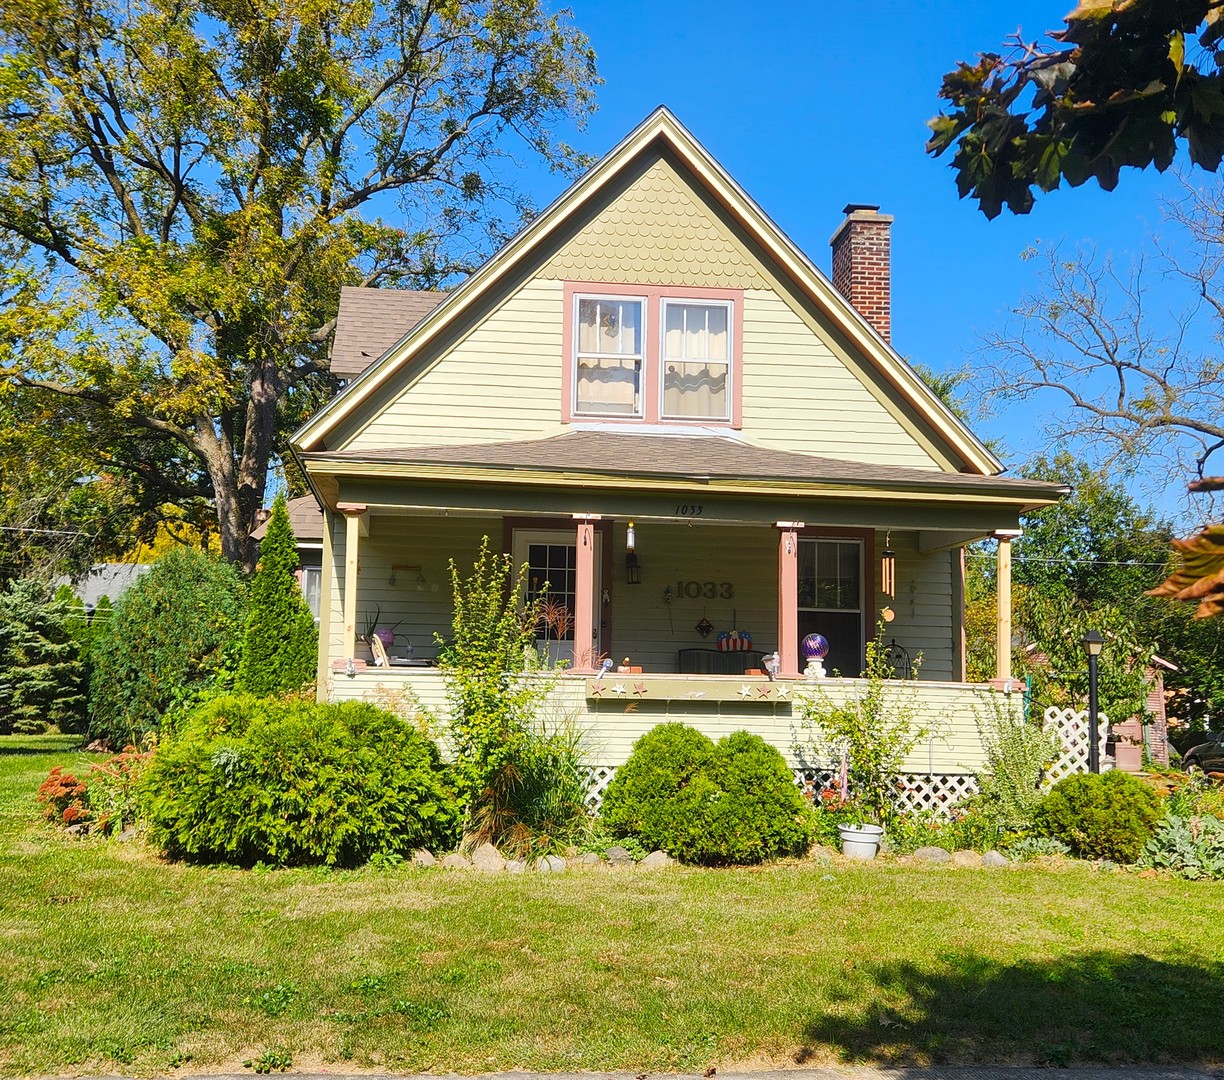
{"points": [[1093, 642]]}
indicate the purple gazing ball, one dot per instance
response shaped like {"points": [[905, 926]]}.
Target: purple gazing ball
{"points": [[815, 647]]}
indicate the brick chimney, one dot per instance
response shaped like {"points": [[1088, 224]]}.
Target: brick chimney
{"points": [[861, 264]]}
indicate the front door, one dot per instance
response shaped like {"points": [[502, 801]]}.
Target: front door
{"points": [[551, 559]]}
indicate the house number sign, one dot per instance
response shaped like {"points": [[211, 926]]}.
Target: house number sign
{"points": [[710, 590]]}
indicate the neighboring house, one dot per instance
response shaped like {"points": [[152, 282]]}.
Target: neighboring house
{"points": [[111, 580], [653, 354]]}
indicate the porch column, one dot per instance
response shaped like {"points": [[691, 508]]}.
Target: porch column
{"points": [[1003, 638], [354, 519], [326, 579], [788, 598], [584, 593]]}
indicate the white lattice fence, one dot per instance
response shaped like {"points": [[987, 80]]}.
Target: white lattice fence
{"points": [[916, 792], [1071, 729]]}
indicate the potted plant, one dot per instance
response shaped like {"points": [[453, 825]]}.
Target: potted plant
{"points": [[860, 840]]}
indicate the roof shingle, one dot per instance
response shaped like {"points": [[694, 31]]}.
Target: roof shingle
{"points": [[370, 321]]}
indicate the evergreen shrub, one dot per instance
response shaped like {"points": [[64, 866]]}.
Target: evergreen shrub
{"points": [[280, 647], [1108, 816], [292, 782], [170, 638], [706, 803], [41, 676]]}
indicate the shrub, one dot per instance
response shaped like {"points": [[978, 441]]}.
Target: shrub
{"points": [[63, 797], [280, 647], [1108, 816], [1190, 847], [521, 783], [291, 782], [41, 678], [168, 641], [876, 729], [1017, 756], [734, 802], [105, 800]]}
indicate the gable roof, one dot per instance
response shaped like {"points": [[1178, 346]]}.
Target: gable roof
{"points": [[661, 129], [370, 321]]}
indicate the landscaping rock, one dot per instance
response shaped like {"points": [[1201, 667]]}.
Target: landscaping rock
{"points": [[516, 866], [618, 856], [455, 861], [550, 864], [993, 858], [588, 858], [77, 832], [487, 859], [656, 860], [820, 853], [127, 836], [423, 857], [932, 854], [966, 858]]}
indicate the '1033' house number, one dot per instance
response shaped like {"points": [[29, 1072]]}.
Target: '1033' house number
{"points": [[708, 590]]}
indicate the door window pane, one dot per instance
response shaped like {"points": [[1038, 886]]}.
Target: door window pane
{"points": [[551, 577], [831, 600]]}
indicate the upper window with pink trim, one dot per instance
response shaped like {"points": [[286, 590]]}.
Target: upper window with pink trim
{"points": [[654, 355]]}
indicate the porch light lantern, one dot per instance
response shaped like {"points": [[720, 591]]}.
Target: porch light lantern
{"points": [[1092, 643], [633, 569], [888, 568]]}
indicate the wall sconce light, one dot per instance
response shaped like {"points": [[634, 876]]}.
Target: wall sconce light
{"points": [[888, 568], [633, 569]]}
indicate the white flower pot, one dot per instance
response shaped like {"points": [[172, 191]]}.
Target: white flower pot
{"points": [[860, 841]]}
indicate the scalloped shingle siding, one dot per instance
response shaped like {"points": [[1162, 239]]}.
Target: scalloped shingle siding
{"points": [[656, 233]]}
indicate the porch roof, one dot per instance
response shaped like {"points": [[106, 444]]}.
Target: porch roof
{"points": [[624, 457]]}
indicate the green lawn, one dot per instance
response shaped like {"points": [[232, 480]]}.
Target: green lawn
{"points": [[114, 961]]}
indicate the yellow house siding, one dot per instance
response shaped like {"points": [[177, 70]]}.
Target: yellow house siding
{"points": [[656, 232], [800, 396], [501, 381], [612, 727], [651, 631], [924, 622], [421, 608]]}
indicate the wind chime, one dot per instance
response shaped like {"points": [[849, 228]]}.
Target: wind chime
{"points": [[888, 568]]}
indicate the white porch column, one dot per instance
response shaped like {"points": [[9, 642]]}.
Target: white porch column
{"points": [[325, 603], [788, 598], [354, 520], [1003, 639], [584, 593]]}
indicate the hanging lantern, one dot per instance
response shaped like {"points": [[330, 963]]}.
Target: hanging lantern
{"points": [[888, 569], [633, 569]]}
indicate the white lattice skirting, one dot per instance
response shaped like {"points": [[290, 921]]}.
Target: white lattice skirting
{"points": [[935, 793]]}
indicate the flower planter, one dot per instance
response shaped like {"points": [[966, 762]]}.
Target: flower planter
{"points": [[860, 841]]}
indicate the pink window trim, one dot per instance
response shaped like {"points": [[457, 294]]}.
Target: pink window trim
{"points": [[653, 297]]}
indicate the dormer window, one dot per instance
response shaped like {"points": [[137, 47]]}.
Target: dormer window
{"points": [[653, 354]]}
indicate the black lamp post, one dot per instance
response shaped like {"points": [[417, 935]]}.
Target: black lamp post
{"points": [[1093, 642]]}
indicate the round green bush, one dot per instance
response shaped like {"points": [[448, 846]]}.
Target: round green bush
{"points": [[169, 637], [1108, 816], [291, 782], [706, 803]]}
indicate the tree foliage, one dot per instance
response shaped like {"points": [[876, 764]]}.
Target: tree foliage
{"points": [[170, 636], [280, 647], [1119, 85], [181, 196], [41, 678]]}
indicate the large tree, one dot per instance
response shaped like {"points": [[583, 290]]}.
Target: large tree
{"points": [[186, 183], [1119, 85]]}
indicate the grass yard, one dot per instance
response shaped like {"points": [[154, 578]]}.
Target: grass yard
{"points": [[114, 961]]}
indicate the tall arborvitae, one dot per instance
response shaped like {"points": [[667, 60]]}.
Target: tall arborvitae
{"points": [[280, 650]]}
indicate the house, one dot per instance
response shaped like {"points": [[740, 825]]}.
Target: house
{"points": [[703, 445], [306, 521]]}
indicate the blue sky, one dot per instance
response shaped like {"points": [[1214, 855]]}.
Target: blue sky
{"points": [[811, 106]]}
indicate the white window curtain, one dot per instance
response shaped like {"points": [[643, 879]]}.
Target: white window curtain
{"points": [[696, 361], [609, 361]]}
